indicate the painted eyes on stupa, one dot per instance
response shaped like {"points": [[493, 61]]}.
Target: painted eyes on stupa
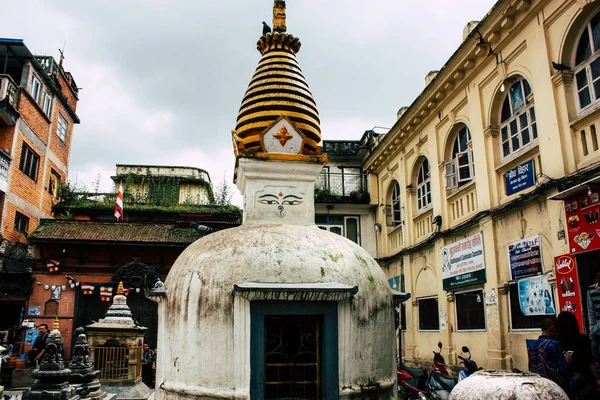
{"points": [[289, 200], [269, 201]]}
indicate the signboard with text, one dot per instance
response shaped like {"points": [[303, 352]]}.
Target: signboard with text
{"points": [[525, 257], [463, 263], [520, 178], [583, 221], [567, 284]]}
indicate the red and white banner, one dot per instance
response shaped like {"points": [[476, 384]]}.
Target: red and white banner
{"points": [[53, 265], [106, 293], [567, 283], [87, 289], [119, 204]]}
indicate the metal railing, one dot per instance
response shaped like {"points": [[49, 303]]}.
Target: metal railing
{"points": [[8, 89], [342, 184], [118, 363]]}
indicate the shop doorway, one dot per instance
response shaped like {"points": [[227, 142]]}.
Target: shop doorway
{"points": [[587, 266], [10, 323]]}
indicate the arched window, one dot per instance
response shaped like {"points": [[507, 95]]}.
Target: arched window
{"points": [[517, 127], [423, 186], [393, 211], [461, 168], [587, 64]]}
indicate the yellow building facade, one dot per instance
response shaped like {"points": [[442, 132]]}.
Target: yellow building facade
{"points": [[507, 122]]}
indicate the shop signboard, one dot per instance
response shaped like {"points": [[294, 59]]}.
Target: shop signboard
{"points": [[583, 221], [525, 257], [520, 177], [567, 283], [394, 282], [463, 263], [535, 296]]}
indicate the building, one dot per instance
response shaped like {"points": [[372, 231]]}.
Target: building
{"points": [[467, 179], [38, 103], [342, 194]]}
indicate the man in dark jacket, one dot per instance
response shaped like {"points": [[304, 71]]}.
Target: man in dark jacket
{"points": [[39, 346], [593, 311]]}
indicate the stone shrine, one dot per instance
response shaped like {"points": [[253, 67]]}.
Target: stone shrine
{"points": [[276, 308], [51, 377], [83, 377]]}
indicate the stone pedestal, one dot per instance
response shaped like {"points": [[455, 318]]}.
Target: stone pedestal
{"points": [[115, 344]]}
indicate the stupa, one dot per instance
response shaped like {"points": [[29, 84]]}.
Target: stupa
{"points": [[276, 308]]}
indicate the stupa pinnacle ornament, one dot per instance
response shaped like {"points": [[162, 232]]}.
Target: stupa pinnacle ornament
{"points": [[51, 376], [118, 312], [278, 114]]}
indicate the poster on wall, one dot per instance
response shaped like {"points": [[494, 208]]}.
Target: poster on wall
{"points": [[394, 282], [535, 296], [583, 221], [525, 257], [463, 263], [31, 335], [567, 282]]}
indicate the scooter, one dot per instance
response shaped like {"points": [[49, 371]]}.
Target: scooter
{"points": [[470, 365], [440, 384], [412, 382]]}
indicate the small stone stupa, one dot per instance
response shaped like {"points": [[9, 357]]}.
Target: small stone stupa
{"points": [[83, 377], [51, 377], [116, 343], [276, 308]]}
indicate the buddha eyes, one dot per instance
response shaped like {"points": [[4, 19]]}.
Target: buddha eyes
{"points": [[269, 201], [291, 202]]}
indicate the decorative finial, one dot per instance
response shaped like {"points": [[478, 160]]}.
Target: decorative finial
{"points": [[55, 324], [120, 288], [279, 16]]}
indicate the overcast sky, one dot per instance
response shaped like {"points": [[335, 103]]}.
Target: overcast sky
{"points": [[163, 80]]}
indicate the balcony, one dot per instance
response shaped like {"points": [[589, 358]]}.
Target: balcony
{"points": [[4, 166], [8, 100], [342, 188], [463, 203]]}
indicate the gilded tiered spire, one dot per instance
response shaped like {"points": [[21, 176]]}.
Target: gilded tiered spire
{"points": [[278, 101]]}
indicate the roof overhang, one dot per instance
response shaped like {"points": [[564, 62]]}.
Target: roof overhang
{"points": [[325, 291], [572, 191], [400, 297], [14, 48]]}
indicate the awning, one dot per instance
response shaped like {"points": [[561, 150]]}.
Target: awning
{"points": [[400, 297], [324, 291], [582, 187]]}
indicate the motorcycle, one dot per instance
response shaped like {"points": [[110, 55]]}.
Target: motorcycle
{"points": [[470, 365], [412, 382], [440, 384]]}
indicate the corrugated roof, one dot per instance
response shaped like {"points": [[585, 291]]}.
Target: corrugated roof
{"points": [[59, 230]]}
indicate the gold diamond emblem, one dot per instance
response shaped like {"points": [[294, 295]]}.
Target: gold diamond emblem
{"points": [[283, 135]]}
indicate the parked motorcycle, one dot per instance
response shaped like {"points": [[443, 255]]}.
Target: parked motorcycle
{"points": [[440, 384], [470, 365], [412, 382]]}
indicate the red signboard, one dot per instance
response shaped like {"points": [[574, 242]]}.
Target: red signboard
{"points": [[569, 294], [583, 221]]}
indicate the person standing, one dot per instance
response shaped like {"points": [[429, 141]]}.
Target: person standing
{"points": [[593, 311], [39, 346], [545, 354], [148, 365]]}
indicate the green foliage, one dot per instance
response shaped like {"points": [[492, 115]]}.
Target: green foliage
{"points": [[222, 193]]}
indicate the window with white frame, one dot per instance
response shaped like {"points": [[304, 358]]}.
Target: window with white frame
{"points": [[587, 64], [461, 169], [61, 128], [36, 89], [517, 127], [423, 186], [393, 212], [347, 226], [47, 106]]}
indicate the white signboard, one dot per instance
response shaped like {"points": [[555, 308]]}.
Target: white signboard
{"points": [[463, 263]]}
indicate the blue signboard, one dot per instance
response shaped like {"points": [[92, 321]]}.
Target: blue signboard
{"points": [[520, 178]]}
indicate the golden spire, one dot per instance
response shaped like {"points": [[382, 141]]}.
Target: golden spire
{"points": [[55, 324], [120, 288], [279, 16]]}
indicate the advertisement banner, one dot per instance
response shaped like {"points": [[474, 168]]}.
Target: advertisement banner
{"points": [[535, 296], [463, 263], [525, 257], [583, 221], [567, 283]]}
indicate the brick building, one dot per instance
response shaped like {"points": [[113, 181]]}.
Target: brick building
{"points": [[38, 102]]}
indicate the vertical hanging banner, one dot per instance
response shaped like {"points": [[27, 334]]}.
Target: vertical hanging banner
{"points": [[567, 282], [462, 262]]}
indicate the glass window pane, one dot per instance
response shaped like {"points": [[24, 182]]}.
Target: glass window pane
{"points": [[584, 98], [352, 229], [505, 110], [504, 133], [516, 97], [595, 25], [595, 67], [584, 50], [597, 89], [336, 230], [505, 148], [514, 129], [534, 130], [463, 139], [526, 87], [581, 79], [525, 136], [532, 114], [515, 143]]}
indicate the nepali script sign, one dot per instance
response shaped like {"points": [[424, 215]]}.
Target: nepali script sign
{"points": [[462, 263]]}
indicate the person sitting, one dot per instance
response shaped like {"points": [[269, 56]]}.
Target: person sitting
{"points": [[583, 375], [545, 354]]}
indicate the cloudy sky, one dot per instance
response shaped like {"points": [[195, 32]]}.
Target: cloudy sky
{"points": [[163, 79]]}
